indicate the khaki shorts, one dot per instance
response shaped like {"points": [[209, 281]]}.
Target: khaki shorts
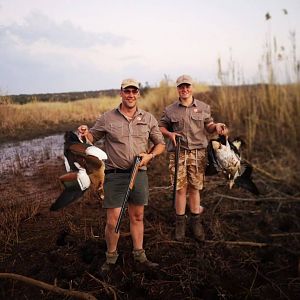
{"points": [[115, 187], [191, 168]]}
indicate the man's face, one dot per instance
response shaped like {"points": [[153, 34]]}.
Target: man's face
{"points": [[185, 91], [129, 96]]}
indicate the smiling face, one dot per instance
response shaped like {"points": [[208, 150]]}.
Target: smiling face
{"points": [[129, 97], [185, 91]]}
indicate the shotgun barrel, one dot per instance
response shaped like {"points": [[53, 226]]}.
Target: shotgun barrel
{"points": [[177, 151], [133, 174]]}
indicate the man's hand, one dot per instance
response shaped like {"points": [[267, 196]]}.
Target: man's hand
{"points": [[221, 129], [172, 137], [83, 132], [146, 157]]}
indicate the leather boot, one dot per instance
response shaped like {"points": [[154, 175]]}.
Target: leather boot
{"points": [[109, 264], [197, 227], [142, 263], [180, 227]]}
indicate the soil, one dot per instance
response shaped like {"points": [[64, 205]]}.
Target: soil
{"points": [[251, 250]]}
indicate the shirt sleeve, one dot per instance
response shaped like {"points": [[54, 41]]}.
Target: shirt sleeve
{"points": [[98, 130], [164, 120], [156, 136], [207, 116]]}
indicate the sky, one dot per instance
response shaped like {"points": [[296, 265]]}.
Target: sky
{"points": [[50, 46]]}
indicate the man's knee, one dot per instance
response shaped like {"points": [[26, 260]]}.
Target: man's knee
{"points": [[137, 217], [110, 225]]}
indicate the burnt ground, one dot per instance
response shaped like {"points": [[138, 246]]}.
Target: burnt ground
{"points": [[252, 247]]}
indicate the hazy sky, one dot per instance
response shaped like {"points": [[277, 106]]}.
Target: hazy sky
{"points": [[78, 45]]}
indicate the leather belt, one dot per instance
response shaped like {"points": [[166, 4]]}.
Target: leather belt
{"points": [[110, 171], [117, 171]]}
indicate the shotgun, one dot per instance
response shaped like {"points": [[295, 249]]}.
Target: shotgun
{"points": [[133, 174], [177, 151]]}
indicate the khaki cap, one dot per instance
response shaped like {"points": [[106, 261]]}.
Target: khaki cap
{"points": [[130, 82], [184, 79]]}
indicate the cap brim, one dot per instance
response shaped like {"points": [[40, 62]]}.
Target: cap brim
{"points": [[184, 82]]}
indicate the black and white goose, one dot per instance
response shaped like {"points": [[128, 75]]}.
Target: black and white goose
{"points": [[85, 167], [224, 156]]}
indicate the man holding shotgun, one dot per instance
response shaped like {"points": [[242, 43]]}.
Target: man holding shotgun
{"points": [[189, 119], [127, 132]]}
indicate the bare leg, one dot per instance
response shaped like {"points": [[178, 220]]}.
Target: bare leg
{"points": [[111, 237], [136, 216], [180, 201], [194, 201]]}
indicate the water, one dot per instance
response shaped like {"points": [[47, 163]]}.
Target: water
{"points": [[27, 154]]}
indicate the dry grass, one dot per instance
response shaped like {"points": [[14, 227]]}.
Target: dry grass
{"points": [[266, 115], [11, 218], [165, 94], [36, 116]]}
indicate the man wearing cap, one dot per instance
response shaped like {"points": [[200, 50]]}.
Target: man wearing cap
{"points": [[127, 131], [191, 119]]}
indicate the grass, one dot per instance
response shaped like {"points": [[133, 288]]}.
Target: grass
{"points": [[266, 115], [43, 117], [12, 215]]}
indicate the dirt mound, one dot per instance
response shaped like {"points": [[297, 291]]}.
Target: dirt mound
{"points": [[252, 246]]}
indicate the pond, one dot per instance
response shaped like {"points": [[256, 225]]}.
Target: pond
{"points": [[26, 154]]}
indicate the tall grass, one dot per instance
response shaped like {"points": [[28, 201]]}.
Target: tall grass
{"points": [[15, 119], [158, 98], [268, 113]]}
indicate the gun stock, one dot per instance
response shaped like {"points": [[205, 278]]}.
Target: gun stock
{"points": [[133, 175]]}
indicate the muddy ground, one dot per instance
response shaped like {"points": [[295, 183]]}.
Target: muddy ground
{"points": [[251, 251]]}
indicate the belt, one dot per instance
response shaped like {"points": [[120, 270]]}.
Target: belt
{"points": [[110, 171], [117, 171]]}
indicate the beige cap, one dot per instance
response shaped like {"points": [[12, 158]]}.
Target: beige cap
{"points": [[184, 79], [130, 82]]}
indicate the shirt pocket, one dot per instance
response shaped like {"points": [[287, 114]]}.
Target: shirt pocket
{"points": [[197, 122], [177, 123], [116, 130], [141, 129]]}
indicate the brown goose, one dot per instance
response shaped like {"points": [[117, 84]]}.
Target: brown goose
{"points": [[85, 168]]}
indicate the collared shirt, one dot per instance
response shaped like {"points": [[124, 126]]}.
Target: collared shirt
{"points": [[125, 138], [189, 121]]}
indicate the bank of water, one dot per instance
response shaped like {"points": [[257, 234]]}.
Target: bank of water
{"points": [[22, 156]]}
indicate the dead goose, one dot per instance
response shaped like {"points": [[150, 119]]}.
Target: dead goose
{"points": [[224, 156], [85, 167]]}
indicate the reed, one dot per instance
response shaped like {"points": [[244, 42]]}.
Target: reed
{"points": [[266, 114]]}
